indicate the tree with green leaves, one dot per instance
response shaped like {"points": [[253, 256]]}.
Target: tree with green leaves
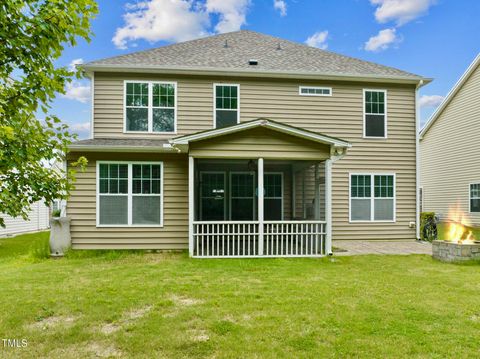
{"points": [[33, 34]]}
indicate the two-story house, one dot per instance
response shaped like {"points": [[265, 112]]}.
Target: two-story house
{"points": [[243, 144]]}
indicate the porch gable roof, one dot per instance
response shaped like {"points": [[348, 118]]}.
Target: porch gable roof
{"points": [[263, 123]]}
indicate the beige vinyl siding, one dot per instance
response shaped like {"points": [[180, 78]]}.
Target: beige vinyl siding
{"points": [[450, 153], [81, 207], [250, 143], [340, 115]]}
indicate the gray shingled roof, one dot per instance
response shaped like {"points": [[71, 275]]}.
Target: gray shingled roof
{"points": [[273, 55]]}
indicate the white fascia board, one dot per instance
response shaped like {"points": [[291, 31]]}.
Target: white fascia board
{"points": [[248, 73]]}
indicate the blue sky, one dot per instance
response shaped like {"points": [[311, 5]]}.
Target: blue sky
{"points": [[433, 38]]}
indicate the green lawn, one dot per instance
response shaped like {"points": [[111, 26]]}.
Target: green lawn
{"points": [[134, 304]]}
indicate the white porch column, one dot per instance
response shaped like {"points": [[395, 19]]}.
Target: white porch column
{"points": [[191, 207], [260, 206], [328, 206]]}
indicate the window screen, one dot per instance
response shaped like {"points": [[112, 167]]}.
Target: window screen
{"points": [[113, 194], [375, 114], [226, 105], [163, 112], [273, 197], [242, 196]]}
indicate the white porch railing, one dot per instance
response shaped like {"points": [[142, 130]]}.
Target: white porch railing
{"points": [[214, 239]]}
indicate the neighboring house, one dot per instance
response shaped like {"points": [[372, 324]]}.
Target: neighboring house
{"points": [[38, 220], [184, 135], [450, 152]]}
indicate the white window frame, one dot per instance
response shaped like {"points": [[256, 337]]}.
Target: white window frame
{"points": [[283, 189], [470, 197], [365, 114], [215, 102], [129, 194], [230, 192], [150, 106], [224, 194], [300, 88], [372, 196]]}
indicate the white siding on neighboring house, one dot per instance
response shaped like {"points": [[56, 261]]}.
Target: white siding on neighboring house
{"points": [[38, 220], [450, 149]]}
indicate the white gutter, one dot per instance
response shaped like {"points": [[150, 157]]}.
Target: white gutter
{"points": [[212, 71]]}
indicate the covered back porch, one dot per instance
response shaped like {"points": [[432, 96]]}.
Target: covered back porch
{"points": [[260, 189]]}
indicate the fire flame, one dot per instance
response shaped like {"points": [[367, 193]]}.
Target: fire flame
{"points": [[458, 231]]}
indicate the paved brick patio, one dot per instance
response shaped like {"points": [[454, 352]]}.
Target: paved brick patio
{"points": [[382, 247]]}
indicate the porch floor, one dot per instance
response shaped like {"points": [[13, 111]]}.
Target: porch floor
{"points": [[355, 247]]}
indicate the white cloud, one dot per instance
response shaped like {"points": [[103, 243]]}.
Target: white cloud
{"points": [[400, 11], [77, 91], [319, 39], [178, 20], [430, 101], [281, 6], [382, 41], [74, 63], [169, 20], [81, 129], [232, 13]]}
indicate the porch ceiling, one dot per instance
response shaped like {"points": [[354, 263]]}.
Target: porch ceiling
{"points": [[183, 143]]}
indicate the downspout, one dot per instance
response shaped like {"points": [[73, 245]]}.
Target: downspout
{"points": [[417, 161]]}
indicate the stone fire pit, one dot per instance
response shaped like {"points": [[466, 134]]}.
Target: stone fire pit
{"points": [[453, 252]]}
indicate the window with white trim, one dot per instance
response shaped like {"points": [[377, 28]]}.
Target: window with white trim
{"points": [[150, 107], [475, 197], [315, 91], [372, 197], [226, 105], [130, 194], [375, 118], [273, 196]]}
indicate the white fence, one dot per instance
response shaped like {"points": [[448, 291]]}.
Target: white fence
{"points": [[244, 239]]}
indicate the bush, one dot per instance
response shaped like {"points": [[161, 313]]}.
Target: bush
{"points": [[424, 218], [56, 213]]}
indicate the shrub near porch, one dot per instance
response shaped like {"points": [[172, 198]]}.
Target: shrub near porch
{"points": [[136, 304]]}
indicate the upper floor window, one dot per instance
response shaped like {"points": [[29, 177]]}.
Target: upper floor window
{"points": [[315, 91], [372, 197], [475, 197], [227, 98], [375, 113], [150, 107]]}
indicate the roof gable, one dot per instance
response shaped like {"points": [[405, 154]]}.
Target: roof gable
{"points": [[232, 51], [265, 123], [475, 65]]}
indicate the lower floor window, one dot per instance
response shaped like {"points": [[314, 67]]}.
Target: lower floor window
{"points": [[475, 197], [372, 197], [129, 193]]}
